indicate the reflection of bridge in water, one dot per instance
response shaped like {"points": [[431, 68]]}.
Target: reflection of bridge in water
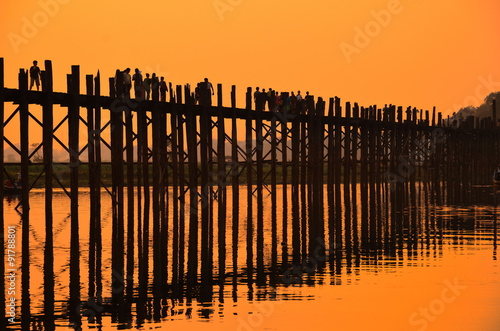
{"points": [[367, 165]]}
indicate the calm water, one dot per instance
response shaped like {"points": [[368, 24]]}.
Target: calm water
{"points": [[415, 261]]}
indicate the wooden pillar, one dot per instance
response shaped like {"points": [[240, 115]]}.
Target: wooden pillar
{"points": [[337, 243], [24, 130], [206, 228], [129, 143], [181, 123], [260, 197], [284, 178], [235, 183], [117, 183], [191, 134], [347, 176], [157, 249], [74, 150], [47, 132], [96, 201], [249, 165], [221, 186], [174, 161], [296, 140], [274, 207]]}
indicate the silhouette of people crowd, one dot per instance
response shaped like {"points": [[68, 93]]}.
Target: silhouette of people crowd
{"points": [[280, 101], [155, 88]]}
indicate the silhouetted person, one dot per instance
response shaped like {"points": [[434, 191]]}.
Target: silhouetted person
{"points": [[277, 101], [119, 83], [147, 86], [210, 91], [299, 100], [138, 88], [257, 99], [271, 100], [263, 96], [35, 75], [127, 83], [163, 89], [155, 88], [293, 102]]}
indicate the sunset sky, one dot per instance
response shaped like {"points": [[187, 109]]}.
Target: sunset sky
{"points": [[411, 52]]}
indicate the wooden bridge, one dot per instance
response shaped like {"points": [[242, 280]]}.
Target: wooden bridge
{"points": [[321, 150]]}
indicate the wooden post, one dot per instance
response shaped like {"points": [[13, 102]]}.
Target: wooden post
{"points": [[235, 184], [249, 165], [274, 207], [337, 242], [181, 123], [174, 161], [117, 179], [221, 186], [260, 197], [157, 249], [74, 150], [206, 252], [331, 170], [93, 184], [97, 189], [296, 140], [191, 134], [129, 142], [347, 176], [48, 161]]}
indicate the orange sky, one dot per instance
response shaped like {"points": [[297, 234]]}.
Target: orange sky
{"points": [[424, 54]]}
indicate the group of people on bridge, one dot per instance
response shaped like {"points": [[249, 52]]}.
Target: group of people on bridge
{"points": [[155, 88]]}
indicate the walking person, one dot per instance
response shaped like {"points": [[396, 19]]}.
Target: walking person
{"points": [[35, 75]]}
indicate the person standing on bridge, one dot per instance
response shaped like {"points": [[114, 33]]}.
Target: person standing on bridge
{"points": [[257, 99], [35, 75], [138, 88], [155, 88], [127, 83], [210, 91], [147, 86], [163, 89]]}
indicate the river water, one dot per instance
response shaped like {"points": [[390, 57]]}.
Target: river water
{"points": [[432, 266]]}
